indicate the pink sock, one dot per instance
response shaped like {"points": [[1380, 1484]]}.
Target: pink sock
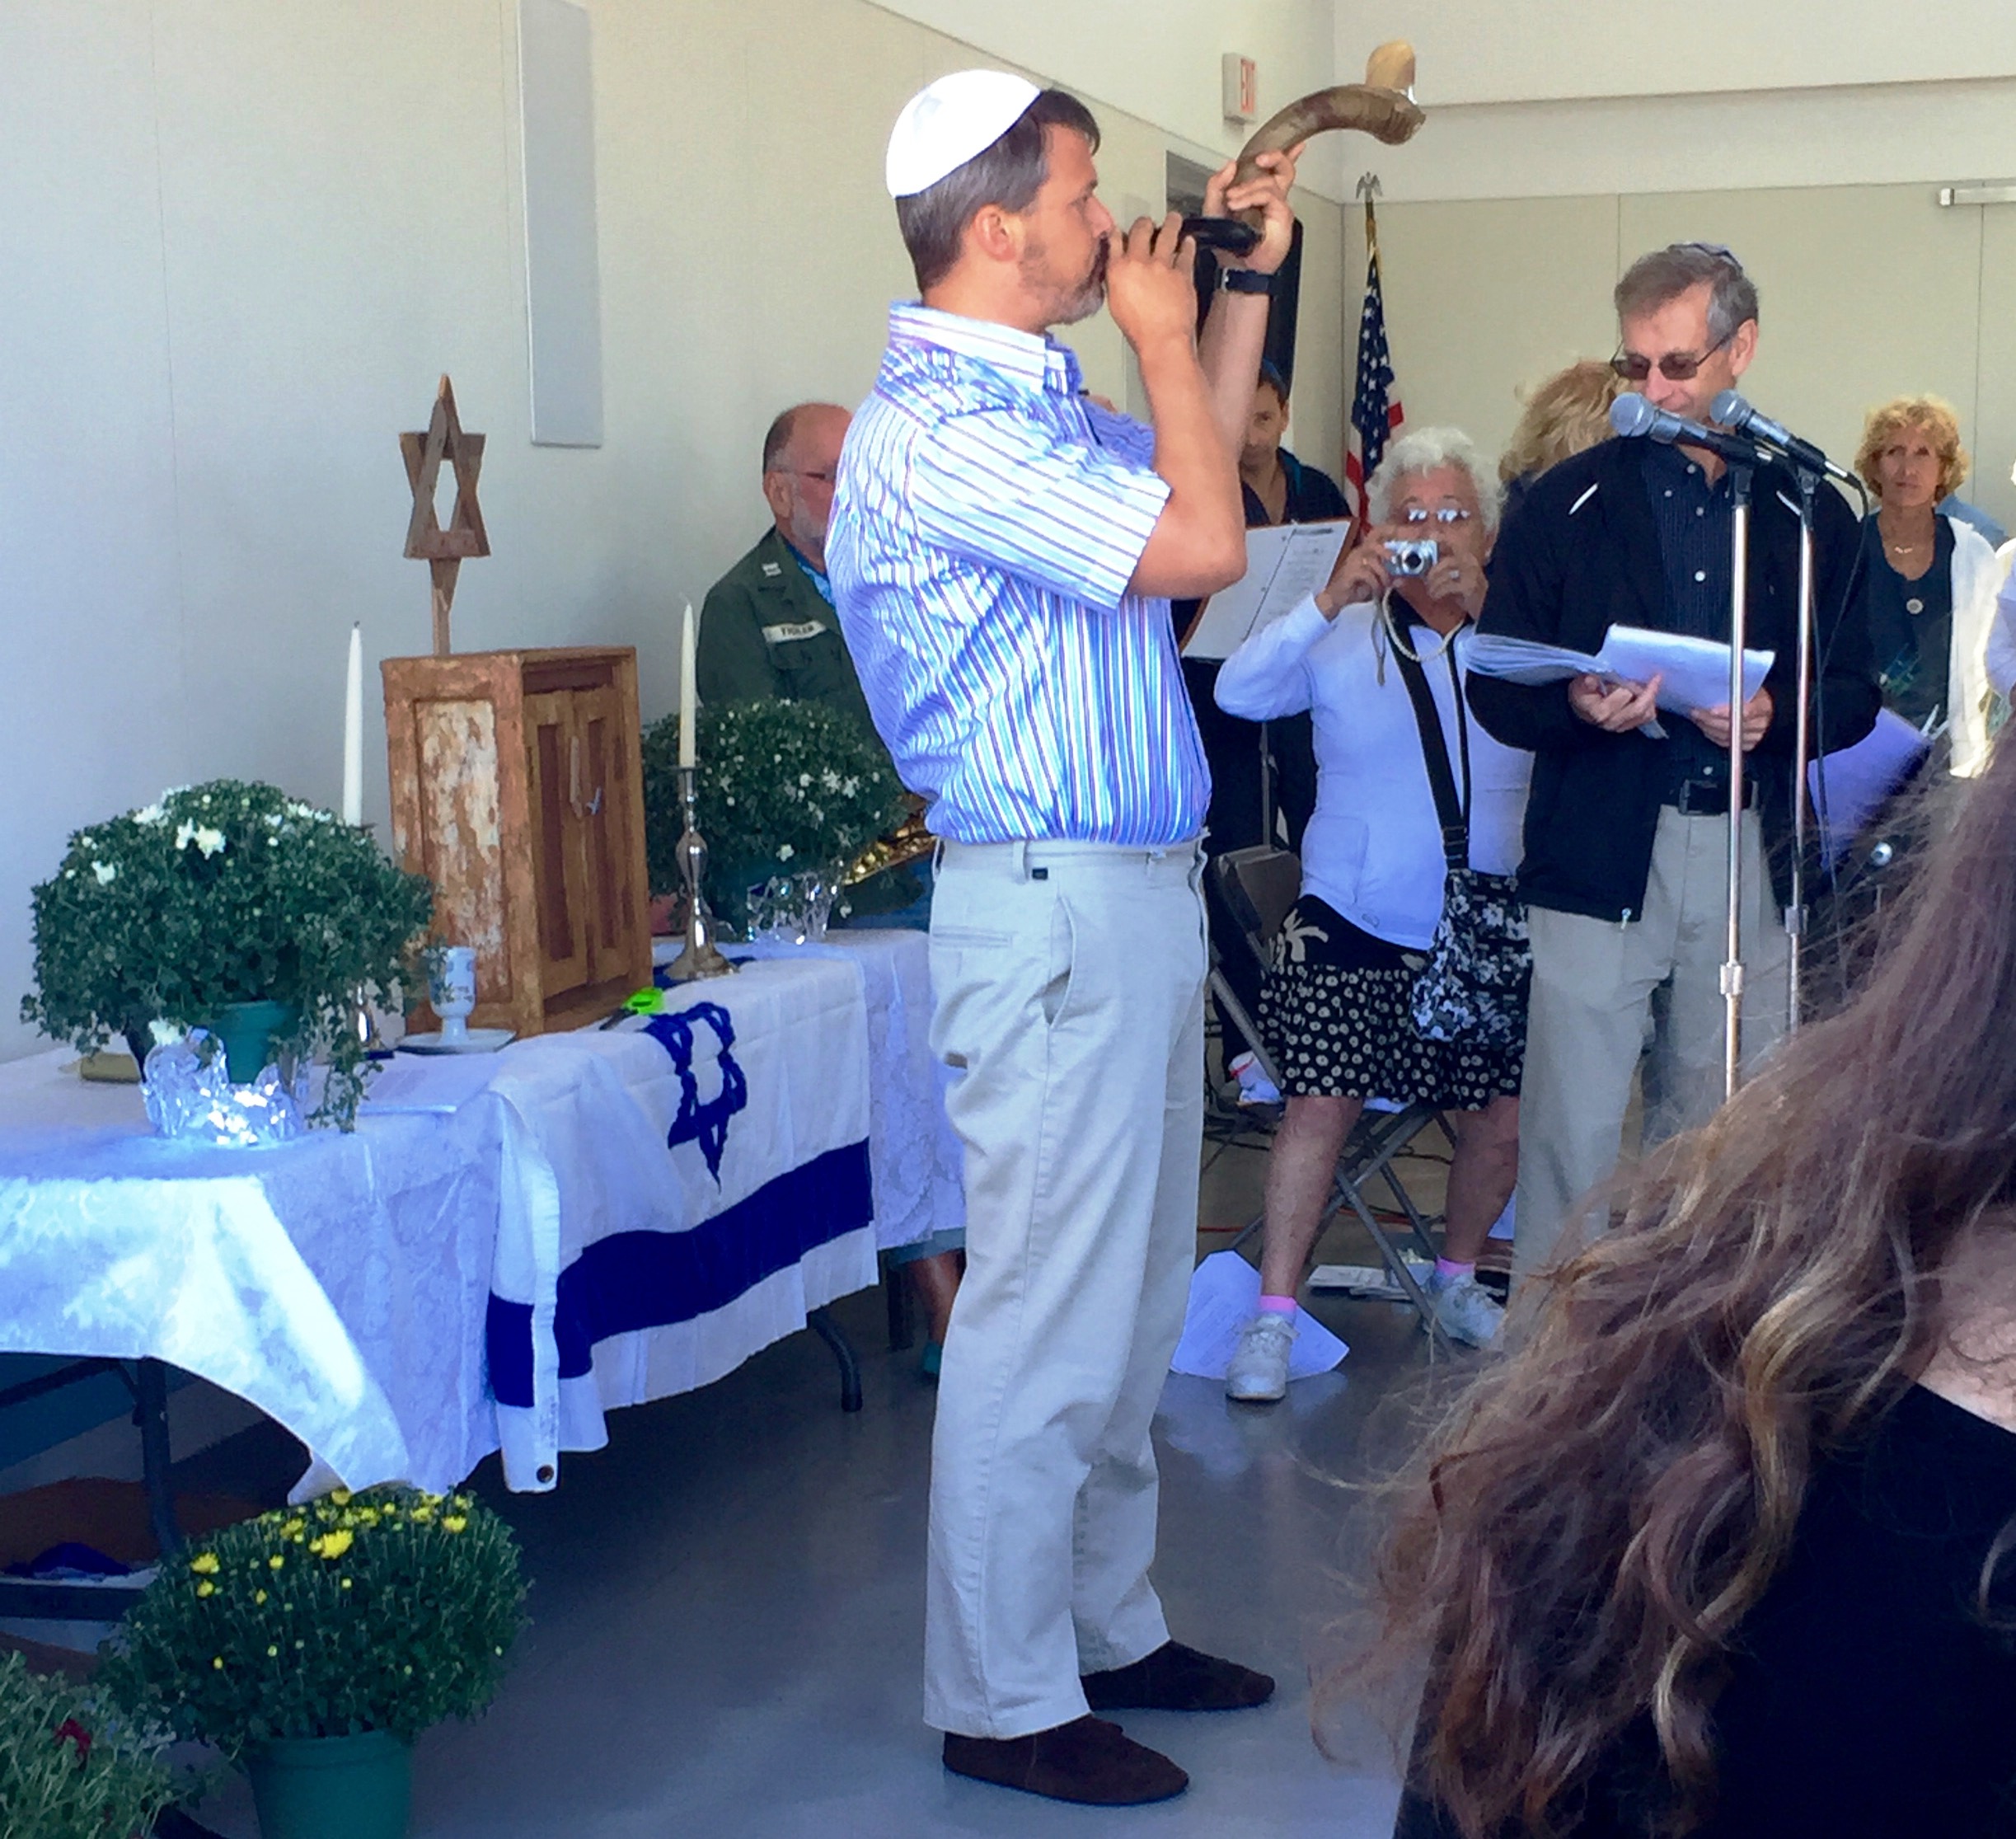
{"points": [[1446, 1268], [1278, 1305]]}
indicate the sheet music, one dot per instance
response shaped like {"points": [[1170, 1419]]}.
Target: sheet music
{"points": [[1694, 672], [1284, 561]]}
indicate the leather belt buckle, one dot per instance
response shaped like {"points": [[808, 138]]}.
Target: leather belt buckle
{"points": [[1708, 798]]}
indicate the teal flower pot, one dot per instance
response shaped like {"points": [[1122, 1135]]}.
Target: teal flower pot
{"points": [[247, 1031], [358, 1787]]}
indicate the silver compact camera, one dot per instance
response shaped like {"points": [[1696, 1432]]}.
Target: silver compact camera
{"points": [[1412, 555]]}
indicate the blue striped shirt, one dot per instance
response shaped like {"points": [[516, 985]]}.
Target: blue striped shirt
{"points": [[984, 525]]}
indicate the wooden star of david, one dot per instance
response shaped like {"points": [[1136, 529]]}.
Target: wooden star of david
{"points": [[443, 550]]}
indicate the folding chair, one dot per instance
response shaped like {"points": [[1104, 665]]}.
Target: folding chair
{"points": [[1257, 887]]}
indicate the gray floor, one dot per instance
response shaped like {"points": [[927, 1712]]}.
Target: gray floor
{"points": [[728, 1617]]}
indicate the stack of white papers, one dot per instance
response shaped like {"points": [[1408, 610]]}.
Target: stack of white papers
{"points": [[1284, 562], [1694, 673]]}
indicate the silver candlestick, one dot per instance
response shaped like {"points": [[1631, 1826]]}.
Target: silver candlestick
{"points": [[701, 957]]}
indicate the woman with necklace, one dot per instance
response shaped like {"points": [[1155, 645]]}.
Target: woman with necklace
{"points": [[1928, 580]]}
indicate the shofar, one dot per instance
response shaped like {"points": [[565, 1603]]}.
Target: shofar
{"points": [[1378, 106]]}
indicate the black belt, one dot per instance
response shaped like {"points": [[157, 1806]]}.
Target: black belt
{"points": [[1708, 798]]}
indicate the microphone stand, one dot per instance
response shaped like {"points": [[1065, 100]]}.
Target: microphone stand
{"points": [[1802, 751], [1740, 472]]}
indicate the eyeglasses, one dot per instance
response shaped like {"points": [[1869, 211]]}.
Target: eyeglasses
{"points": [[825, 477], [1442, 513], [1675, 367]]}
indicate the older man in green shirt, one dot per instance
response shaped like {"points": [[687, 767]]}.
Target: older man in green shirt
{"points": [[768, 627]]}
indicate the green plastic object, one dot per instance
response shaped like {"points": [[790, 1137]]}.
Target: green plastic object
{"points": [[645, 1003], [358, 1787], [246, 1029]]}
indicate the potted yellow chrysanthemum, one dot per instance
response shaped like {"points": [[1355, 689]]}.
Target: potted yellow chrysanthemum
{"points": [[316, 1643]]}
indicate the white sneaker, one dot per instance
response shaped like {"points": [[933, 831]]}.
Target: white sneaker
{"points": [[1465, 1311], [1259, 1372]]}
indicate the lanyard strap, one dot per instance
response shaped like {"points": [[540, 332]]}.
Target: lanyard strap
{"points": [[1450, 812]]}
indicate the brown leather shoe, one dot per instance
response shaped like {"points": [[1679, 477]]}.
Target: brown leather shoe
{"points": [[1177, 1678], [1087, 1760]]}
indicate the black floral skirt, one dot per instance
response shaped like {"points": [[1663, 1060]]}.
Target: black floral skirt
{"points": [[1336, 1011]]}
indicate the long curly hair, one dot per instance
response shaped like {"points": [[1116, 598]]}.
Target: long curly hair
{"points": [[1604, 1507]]}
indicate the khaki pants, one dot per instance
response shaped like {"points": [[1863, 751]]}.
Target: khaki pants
{"points": [[1068, 982], [1597, 986]]}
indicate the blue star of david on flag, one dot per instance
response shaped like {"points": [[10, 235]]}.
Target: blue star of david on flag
{"points": [[704, 1122]]}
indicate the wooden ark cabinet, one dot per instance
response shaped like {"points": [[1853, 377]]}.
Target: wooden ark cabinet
{"points": [[518, 790]]}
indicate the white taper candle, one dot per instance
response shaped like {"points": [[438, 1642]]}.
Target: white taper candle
{"points": [[688, 696], [354, 732]]}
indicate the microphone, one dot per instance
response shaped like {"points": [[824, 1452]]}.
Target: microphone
{"points": [[1733, 411], [1632, 415]]}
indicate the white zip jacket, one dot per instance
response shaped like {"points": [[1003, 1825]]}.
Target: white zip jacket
{"points": [[1983, 648], [2001, 647], [1373, 849]]}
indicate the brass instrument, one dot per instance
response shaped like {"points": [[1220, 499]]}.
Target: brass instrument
{"points": [[909, 842]]}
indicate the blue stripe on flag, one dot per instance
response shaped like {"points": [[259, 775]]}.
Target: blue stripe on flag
{"points": [[637, 1280]]}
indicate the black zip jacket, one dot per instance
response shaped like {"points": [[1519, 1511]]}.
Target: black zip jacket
{"points": [[1583, 554]]}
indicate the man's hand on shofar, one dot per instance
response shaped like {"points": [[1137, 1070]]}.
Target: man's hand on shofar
{"points": [[1149, 290], [1268, 195], [1615, 711]]}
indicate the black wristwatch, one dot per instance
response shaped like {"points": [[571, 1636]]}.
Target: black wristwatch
{"points": [[1246, 280]]}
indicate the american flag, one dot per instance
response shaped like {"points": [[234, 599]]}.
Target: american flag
{"points": [[1376, 414]]}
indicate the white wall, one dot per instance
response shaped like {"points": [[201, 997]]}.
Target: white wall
{"points": [[1524, 51], [1930, 133], [241, 243]]}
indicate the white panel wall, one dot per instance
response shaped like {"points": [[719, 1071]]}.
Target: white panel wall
{"points": [[1994, 430], [242, 241], [1931, 132], [1522, 50], [1481, 297]]}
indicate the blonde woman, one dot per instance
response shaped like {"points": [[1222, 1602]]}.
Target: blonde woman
{"points": [[1568, 412], [1928, 581]]}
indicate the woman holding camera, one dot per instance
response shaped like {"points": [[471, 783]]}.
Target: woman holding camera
{"points": [[1381, 642]]}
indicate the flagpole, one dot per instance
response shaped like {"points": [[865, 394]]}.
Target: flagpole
{"points": [[1374, 408]]}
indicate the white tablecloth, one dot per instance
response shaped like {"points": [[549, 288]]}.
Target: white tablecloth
{"points": [[915, 1157], [351, 1286]]}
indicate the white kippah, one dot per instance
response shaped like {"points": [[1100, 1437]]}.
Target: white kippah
{"points": [[947, 122]]}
